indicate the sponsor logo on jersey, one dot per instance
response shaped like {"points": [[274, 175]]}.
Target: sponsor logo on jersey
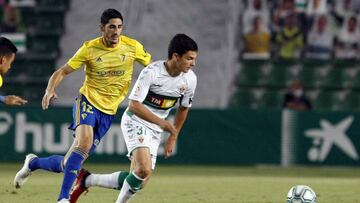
{"points": [[160, 101], [111, 73]]}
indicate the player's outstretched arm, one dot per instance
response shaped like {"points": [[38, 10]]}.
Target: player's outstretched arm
{"points": [[141, 111], [13, 100], [180, 117], [54, 81]]}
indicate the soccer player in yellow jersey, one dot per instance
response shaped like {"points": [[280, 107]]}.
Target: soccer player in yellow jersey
{"points": [[7, 56], [108, 62]]}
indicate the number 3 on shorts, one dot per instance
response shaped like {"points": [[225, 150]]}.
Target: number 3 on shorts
{"points": [[140, 130]]}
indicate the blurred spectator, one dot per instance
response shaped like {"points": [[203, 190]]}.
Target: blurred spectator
{"points": [[257, 41], [342, 9], [320, 40], [11, 21], [316, 7], [255, 8], [285, 8], [290, 38], [23, 3], [295, 98], [347, 41], [300, 6]]}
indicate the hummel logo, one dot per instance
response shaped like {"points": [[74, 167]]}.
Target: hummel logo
{"points": [[328, 136], [83, 115], [99, 60]]}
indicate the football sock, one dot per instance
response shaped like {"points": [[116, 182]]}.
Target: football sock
{"points": [[72, 167], [113, 180], [131, 185], [52, 163]]}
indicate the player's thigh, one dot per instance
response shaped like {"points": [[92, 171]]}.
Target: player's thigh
{"points": [[84, 135], [141, 157]]}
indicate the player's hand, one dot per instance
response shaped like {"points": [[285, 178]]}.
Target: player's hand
{"points": [[169, 146], [49, 95], [14, 100], [169, 127]]}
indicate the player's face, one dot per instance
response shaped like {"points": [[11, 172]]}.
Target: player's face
{"points": [[5, 63], [186, 61], [111, 31]]}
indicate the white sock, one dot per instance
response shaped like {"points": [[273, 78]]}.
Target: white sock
{"points": [[103, 180], [125, 194]]}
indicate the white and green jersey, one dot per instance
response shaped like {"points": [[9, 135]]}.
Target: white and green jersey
{"points": [[159, 92]]}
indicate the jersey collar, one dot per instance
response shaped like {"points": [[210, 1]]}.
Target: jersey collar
{"points": [[163, 70]]}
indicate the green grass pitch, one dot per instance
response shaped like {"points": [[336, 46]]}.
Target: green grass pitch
{"points": [[197, 184]]}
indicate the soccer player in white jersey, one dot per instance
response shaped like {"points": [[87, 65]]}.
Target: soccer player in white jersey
{"points": [[158, 88]]}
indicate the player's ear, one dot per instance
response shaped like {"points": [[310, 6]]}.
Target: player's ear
{"points": [[2, 59], [102, 27], [176, 56]]}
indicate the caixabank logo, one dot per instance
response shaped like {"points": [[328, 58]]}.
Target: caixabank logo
{"points": [[330, 136]]}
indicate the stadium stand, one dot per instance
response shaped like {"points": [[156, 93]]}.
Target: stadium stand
{"points": [[43, 29], [331, 84], [223, 77]]}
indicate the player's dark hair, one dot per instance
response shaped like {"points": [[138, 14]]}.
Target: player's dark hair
{"points": [[109, 14], [181, 44], [6, 47]]}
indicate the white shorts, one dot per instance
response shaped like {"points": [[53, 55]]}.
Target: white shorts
{"points": [[138, 135]]}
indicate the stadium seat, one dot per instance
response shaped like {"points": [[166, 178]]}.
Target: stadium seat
{"points": [[271, 99], [54, 3], [54, 19], [32, 67], [28, 17], [355, 82], [335, 78], [243, 99], [44, 42], [351, 102], [32, 91], [327, 100], [310, 77], [345, 63], [313, 63], [280, 76], [251, 76]]}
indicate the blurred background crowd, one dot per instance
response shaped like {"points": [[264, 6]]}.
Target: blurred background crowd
{"points": [[251, 51], [319, 29]]}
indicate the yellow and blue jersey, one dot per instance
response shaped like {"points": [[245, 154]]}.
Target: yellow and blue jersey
{"points": [[108, 71]]}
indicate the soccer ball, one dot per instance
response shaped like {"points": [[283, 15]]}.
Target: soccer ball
{"points": [[301, 194]]}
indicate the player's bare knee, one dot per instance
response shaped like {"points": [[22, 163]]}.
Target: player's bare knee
{"points": [[85, 145], [143, 172]]}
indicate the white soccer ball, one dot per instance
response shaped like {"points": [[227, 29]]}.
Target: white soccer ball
{"points": [[301, 194]]}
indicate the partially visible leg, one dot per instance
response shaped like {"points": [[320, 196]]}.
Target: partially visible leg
{"points": [[141, 161], [112, 180], [84, 137], [53, 163]]}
